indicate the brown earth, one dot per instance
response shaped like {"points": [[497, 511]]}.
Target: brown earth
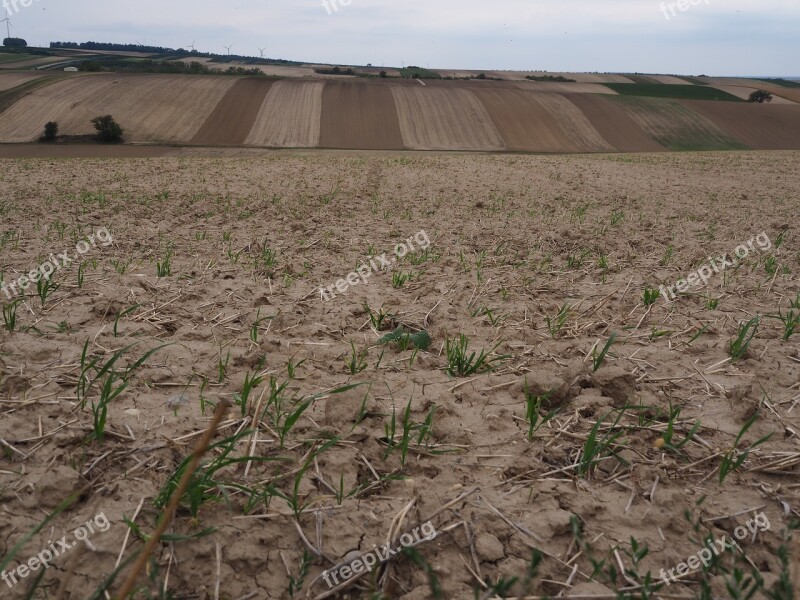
{"points": [[513, 239], [433, 118], [615, 125], [359, 117], [12, 80], [757, 126], [289, 116], [233, 118]]}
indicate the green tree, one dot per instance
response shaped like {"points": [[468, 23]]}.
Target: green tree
{"points": [[108, 130], [51, 131], [760, 97], [10, 42]]}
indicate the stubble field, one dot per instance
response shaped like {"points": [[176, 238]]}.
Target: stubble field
{"points": [[605, 436]]}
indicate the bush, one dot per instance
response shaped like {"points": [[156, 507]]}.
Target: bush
{"points": [[383, 74], [108, 130], [91, 66], [760, 97], [51, 131]]}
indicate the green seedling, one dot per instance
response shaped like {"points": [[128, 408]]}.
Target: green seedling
{"points": [[781, 238], [533, 406], [651, 295], [400, 279], [10, 315], [124, 313], [596, 448], [557, 324], [164, 266], [771, 265], [222, 366], [404, 340], [462, 363], [81, 272], [378, 320], [251, 382], [357, 361], [790, 322], [669, 434], [711, 303], [254, 330], [747, 331], [410, 431], [735, 457], [598, 359], [44, 287]]}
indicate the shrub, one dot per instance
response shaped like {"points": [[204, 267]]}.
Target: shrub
{"points": [[91, 66], [383, 74], [108, 130], [51, 131], [10, 42], [760, 97]]}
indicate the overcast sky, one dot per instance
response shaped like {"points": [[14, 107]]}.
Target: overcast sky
{"points": [[714, 37]]}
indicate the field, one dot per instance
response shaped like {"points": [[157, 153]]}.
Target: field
{"points": [[663, 90], [556, 424], [394, 114]]}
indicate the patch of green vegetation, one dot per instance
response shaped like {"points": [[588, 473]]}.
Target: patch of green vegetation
{"points": [[666, 90], [693, 80], [781, 82], [14, 57], [419, 73], [675, 126]]}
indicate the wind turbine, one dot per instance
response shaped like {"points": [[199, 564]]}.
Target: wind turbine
{"points": [[228, 48], [262, 51], [192, 45], [7, 21]]}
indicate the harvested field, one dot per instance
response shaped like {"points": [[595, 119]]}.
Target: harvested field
{"points": [[233, 118], [359, 116], [289, 116], [555, 457], [11, 80], [151, 108], [565, 88], [435, 118], [674, 125], [744, 93], [669, 79], [615, 125], [773, 127], [577, 128]]}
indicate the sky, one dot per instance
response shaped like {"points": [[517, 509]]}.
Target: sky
{"points": [[710, 37]]}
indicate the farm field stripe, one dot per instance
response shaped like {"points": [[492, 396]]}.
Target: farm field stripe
{"points": [[437, 118], [233, 118], [151, 108], [771, 127], [676, 125], [615, 125], [289, 116], [359, 115]]}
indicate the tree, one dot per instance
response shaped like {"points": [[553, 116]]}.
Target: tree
{"points": [[10, 42], [91, 66], [51, 131], [760, 97], [108, 130], [383, 75]]}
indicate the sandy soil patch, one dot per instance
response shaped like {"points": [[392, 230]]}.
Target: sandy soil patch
{"points": [[151, 108], [289, 116], [434, 118], [513, 240], [565, 88], [669, 79], [12, 80], [744, 93]]}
